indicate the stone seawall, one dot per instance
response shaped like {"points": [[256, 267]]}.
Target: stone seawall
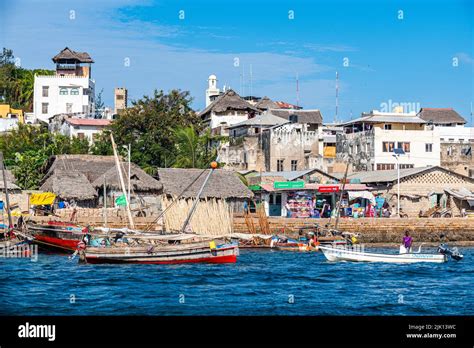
{"points": [[378, 230]]}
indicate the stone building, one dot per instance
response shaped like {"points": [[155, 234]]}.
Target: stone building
{"points": [[120, 99], [421, 188], [277, 140]]}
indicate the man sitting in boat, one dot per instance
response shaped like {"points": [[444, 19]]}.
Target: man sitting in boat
{"points": [[407, 242]]}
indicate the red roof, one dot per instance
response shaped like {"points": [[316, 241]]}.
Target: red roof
{"points": [[88, 122]]}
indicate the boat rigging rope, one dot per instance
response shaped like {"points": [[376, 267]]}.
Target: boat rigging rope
{"points": [[174, 201]]}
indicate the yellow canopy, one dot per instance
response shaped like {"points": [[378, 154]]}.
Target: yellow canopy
{"points": [[45, 198]]}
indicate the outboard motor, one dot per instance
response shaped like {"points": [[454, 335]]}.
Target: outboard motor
{"points": [[454, 252]]}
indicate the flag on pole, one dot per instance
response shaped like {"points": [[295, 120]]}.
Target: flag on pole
{"points": [[121, 201]]}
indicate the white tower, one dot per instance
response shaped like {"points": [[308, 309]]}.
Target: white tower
{"points": [[211, 89]]}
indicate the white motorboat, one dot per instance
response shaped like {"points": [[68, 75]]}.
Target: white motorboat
{"points": [[335, 254]]}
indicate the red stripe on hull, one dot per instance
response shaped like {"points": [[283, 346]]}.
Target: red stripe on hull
{"points": [[64, 244], [214, 259]]}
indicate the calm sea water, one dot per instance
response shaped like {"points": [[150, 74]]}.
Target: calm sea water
{"points": [[262, 282]]}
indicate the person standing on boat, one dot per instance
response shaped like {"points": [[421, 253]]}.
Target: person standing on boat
{"points": [[407, 241]]}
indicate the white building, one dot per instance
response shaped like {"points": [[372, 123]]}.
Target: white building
{"points": [[83, 128], [70, 91], [227, 110], [451, 125], [371, 139]]}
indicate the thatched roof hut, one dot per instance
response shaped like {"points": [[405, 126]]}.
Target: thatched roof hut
{"points": [[10, 181], [140, 181], [91, 166], [69, 185], [70, 55], [230, 100], [223, 184], [266, 103]]}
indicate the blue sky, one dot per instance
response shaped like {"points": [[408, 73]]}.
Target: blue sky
{"points": [[408, 60]]}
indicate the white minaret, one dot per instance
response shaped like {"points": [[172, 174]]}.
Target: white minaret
{"points": [[211, 89]]}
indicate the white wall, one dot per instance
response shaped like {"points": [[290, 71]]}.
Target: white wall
{"points": [[89, 131], [57, 103], [456, 133], [417, 139], [230, 119], [7, 124]]}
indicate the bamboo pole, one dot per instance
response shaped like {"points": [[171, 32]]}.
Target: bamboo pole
{"points": [[122, 183], [7, 198]]}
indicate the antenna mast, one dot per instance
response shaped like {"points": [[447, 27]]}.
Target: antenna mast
{"points": [[337, 96], [251, 80], [297, 91]]}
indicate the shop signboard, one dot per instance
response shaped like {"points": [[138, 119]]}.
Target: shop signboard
{"points": [[288, 184], [328, 189]]}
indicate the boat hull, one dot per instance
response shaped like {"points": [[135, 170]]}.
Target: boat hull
{"points": [[339, 254], [200, 253], [56, 236]]}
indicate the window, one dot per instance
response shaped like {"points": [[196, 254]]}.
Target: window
{"points": [[294, 164], [387, 146], [406, 166], [428, 147], [120, 97], [387, 126], [405, 146], [68, 108], [279, 165], [45, 91], [63, 91], [44, 108], [293, 118], [86, 91], [80, 135], [74, 91], [385, 166]]}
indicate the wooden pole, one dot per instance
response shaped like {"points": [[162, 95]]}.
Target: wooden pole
{"points": [[188, 219], [7, 198], [340, 197], [122, 183], [105, 202]]}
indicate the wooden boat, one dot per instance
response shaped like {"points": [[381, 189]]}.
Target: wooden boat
{"points": [[289, 244], [56, 235], [201, 252], [335, 254]]}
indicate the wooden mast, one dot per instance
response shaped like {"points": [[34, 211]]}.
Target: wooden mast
{"points": [[7, 198], [122, 183], [198, 196], [340, 197]]}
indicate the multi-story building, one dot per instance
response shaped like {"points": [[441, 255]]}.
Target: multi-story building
{"points": [[227, 110], [369, 141], [278, 140], [120, 99], [456, 140], [70, 91]]}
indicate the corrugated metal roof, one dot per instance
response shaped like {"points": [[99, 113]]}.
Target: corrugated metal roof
{"points": [[390, 175], [265, 119], [390, 118]]}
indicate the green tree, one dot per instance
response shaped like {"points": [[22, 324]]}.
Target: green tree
{"points": [[194, 150], [16, 83], [149, 126], [27, 169]]}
